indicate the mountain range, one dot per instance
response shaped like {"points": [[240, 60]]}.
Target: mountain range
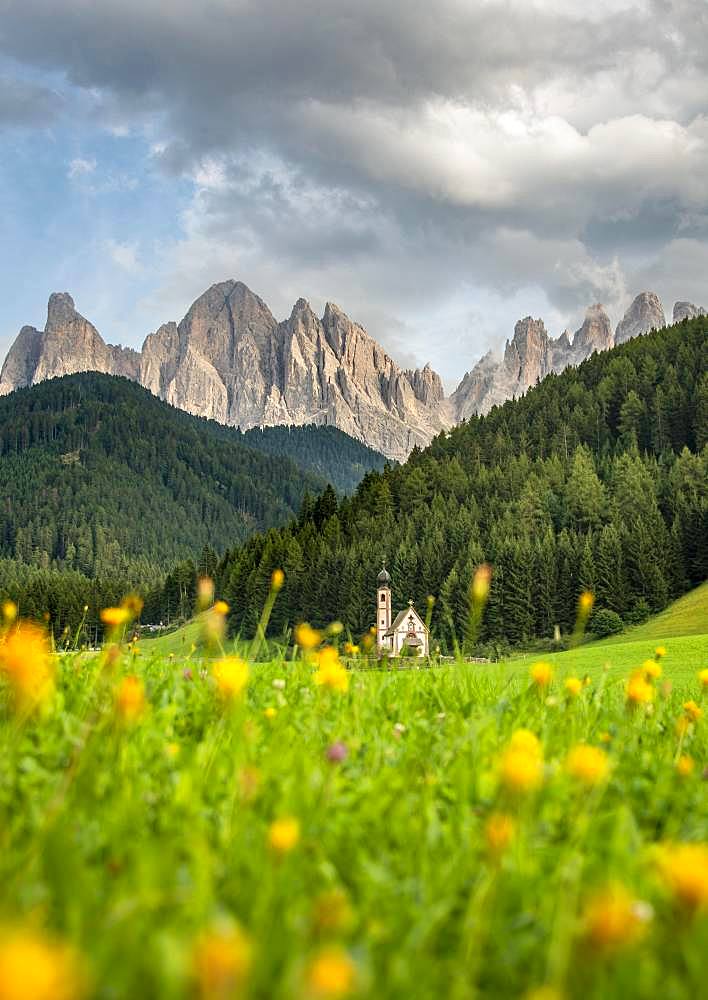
{"points": [[230, 360]]}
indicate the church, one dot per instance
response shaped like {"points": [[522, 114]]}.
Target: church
{"points": [[407, 634]]}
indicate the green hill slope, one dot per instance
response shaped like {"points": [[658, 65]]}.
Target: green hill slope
{"points": [[686, 616], [98, 475], [326, 452], [596, 479]]}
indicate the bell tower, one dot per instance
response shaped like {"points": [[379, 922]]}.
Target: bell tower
{"points": [[383, 606]]}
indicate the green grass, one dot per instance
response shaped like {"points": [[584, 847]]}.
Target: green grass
{"points": [[131, 842], [685, 656], [686, 616]]}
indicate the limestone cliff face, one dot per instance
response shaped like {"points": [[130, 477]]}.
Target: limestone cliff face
{"points": [[230, 360], [687, 310], [528, 357], [68, 344], [645, 313]]}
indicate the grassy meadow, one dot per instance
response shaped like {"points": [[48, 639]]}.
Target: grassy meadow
{"points": [[174, 824]]}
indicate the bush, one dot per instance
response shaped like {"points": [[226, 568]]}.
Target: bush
{"points": [[605, 622], [638, 614]]}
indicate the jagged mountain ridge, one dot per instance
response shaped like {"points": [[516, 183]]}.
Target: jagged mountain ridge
{"points": [[229, 359]]}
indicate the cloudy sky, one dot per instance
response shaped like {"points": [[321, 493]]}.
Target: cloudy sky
{"points": [[439, 169]]}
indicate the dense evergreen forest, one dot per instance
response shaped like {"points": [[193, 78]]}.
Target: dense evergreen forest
{"points": [[596, 479], [327, 452]]}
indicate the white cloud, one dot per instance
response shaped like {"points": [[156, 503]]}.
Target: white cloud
{"points": [[124, 255], [81, 168]]}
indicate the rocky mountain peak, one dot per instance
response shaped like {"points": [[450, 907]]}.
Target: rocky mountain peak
{"points": [[60, 310], [596, 332], [687, 310], [645, 313]]}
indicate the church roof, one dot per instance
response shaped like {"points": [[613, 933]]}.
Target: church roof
{"points": [[401, 617], [383, 579]]}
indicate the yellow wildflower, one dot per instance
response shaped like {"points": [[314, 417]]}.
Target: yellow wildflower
{"points": [[307, 637], [613, 919], [685, 765], [703, 677], [270, 712], [9, 611], [284, 834], [573, 686], [331, 973], [652, 669], [524, 739], [542, 674], [32, 967], [27, 662], [221, 608], [130, 699], [659, 652], [231, 676], [684, 869], [115, 617], [330, 672], [585, 603], [639, 690], [498, 832], [277, 579], [692, 711], [222, 961], [481, 582], [520, 771], [588, 765]]}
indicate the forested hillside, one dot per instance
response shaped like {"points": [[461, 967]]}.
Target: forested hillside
{"points": [[596, 479], [98, 475], [326, 452]]}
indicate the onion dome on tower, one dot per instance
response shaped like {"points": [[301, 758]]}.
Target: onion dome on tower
{"points": [[383, 579]]}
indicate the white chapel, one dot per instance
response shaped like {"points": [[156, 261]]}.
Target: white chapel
{"points": [[407, 630]]}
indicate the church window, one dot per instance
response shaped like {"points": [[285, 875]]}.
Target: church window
{"points": [[383, 598]]}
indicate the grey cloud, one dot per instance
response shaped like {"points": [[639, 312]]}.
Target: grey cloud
{"points": [[27, 104], [390, 154]]}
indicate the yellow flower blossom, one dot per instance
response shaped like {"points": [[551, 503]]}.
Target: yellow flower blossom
{"points": [[331, 973], [284, 834], [703, 677], [33, 967], [685, 765], [613, 919], [542, 674], [115, 617], [27, 662], [499, 832], [588, 765], [270, 712], [573, 686], [330, 672], [639, 690], [222, 961], [307, 637], [9, 611], [524, 739], [231, 676], [692, 711], [481, 582], [585, 603], [659, 652], [520, 771], [277, 579], [652, 669], [221, 608], [684, 869], [130, 699]]}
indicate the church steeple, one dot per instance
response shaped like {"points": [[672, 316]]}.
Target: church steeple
{"points": [[383, 606]]}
